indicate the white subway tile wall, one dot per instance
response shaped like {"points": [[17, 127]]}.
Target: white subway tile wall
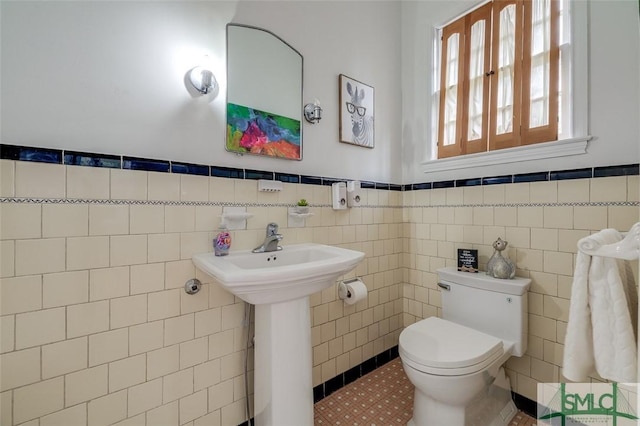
{"points": [[96, 328], [542, 241]]}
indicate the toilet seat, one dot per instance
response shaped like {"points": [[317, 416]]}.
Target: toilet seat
{"points": [[440, 347]]}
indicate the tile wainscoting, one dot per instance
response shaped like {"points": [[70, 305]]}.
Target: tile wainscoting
{"points": [[96, 328]]}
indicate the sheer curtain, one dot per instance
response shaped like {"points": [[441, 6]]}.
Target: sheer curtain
{"points": [[451, 95], [540, 50], [476, 80], [506, 55]]}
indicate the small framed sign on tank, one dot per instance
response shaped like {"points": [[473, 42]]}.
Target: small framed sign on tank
{"points": [[467, 260]]}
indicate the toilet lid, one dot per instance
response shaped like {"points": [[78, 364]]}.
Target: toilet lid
{"points": [[437, 344]]}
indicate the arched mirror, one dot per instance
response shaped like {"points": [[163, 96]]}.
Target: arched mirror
{"points": [[264, 94]]}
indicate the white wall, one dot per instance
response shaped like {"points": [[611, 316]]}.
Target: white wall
{"points": [[108, 77], [613, 84]]}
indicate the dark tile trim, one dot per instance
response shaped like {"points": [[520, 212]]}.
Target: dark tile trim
{"points": [[318, 393], [88, 159], [146, 164], [571, 174], [327, 181], [525, 404], [368, 366], [531, 177], [310, 180], [495, 180], [327, 388], [332, 385], [56, 156], [469, 182], [352, 375], [383, 358], [285, 177], [25, 153], [626, 170], [227, 172], [418, 186], [394, 353], [258, 174], [444, 184], [190, 169]]}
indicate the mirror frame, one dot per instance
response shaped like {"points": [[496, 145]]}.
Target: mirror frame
{"points": [[299, 108]]}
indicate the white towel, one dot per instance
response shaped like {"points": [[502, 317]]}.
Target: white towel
{"points": [[601, 333]]}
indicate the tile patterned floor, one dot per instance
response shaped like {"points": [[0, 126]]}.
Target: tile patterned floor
{"points": [[383, 397]]}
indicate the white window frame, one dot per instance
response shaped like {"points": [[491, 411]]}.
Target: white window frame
{"points": [[575, 125]]}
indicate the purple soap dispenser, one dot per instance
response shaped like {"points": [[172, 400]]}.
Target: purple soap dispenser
{"points": [[222, 242]]}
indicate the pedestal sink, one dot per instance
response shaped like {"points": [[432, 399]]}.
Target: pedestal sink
{"points": [[279, 284]]}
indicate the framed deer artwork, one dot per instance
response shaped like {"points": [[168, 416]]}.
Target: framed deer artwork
{"points": [[356, 112]]}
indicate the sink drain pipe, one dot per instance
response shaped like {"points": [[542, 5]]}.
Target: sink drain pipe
{"points": [[248, 311]]}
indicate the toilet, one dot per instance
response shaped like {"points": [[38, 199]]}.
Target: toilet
{"points": [[456, 362]]}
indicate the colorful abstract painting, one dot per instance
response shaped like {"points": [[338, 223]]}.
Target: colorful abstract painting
{"points": [[251, 131]]}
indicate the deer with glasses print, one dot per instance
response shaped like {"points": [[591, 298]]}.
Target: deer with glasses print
{"points": [[361, 124]]}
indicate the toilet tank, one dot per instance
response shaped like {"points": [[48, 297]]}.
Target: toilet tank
{"points": [[494, 306]]}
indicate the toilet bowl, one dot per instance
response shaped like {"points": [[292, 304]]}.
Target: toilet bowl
{"points": [[455, 363], [450, 366]]}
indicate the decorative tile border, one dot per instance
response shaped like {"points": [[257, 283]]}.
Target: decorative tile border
{"points": [[469, 182], [496, 180], [630, 169], [56, 156], [531, 177], [258, 174], [287, 178], [27, 200], [145, 164], [190, 169], [443, 184], [227, 172], [82, 159], [566, 204], [20, 153], [586, 173], [572, 174]]}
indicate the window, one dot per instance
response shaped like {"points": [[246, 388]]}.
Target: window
{"points": [[500, 84]]}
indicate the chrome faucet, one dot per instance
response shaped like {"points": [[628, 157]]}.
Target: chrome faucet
{"points": [[271, 240]]}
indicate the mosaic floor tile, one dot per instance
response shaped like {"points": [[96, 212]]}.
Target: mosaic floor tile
{"points": [[383, 397]]}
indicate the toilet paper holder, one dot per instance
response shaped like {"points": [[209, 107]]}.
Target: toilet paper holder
{"points": [[343, 291]]}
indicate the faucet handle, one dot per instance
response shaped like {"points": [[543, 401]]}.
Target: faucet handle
{"points": [[272, 229]]}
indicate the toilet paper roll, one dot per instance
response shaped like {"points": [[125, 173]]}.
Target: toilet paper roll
{"points": [[356, 291]]}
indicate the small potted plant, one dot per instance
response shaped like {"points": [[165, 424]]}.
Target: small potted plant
{"points": [[303, 206]]}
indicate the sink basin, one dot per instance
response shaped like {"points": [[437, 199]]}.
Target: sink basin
{"points": [[294, 272]]}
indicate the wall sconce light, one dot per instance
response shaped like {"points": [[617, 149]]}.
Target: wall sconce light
{"points": [[203, 80], [313, 112]]}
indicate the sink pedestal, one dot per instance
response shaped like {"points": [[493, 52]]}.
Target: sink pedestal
{"points": [[279, 284], [283, 388]]}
